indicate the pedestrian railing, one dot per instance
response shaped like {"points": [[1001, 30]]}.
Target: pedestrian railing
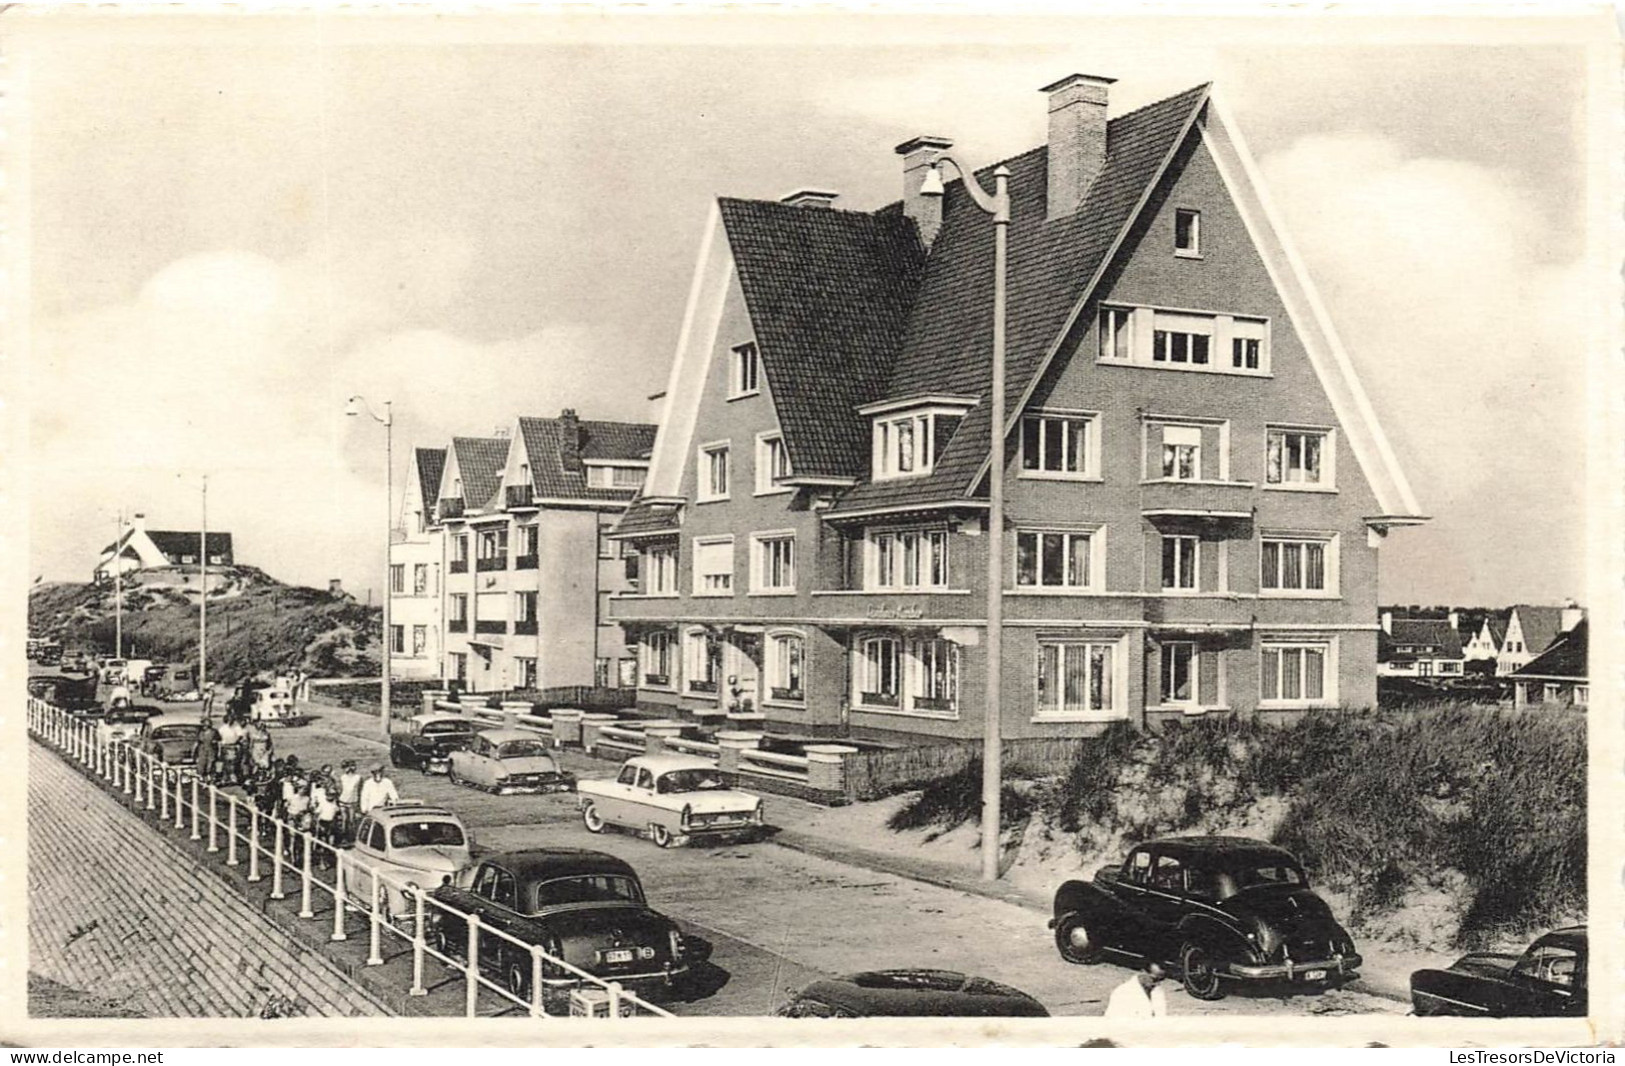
{"points": [[501, 973]]}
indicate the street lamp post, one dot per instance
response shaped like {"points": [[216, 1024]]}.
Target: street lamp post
{"points": [[998, 206], [356, 406]]}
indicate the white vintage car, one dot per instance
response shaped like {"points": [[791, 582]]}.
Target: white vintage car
{"points": [[408, 844], [674, 798], [509, 760], [274, 705]]}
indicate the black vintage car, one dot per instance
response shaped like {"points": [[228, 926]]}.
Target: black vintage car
{"points": [[911, 993], [429, 740], [584, 907], [1547, 981], [1215, 909], [76, 695]]}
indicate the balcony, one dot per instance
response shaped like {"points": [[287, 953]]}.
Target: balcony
{"points": [[457, 625], [490, 625], [525, 627], [458, 566], [1223, 500], [449, 507], [524, 562], [520, 496], [491, 562]]}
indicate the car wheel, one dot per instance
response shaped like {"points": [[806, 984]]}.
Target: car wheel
{"points": [[592, 819], [516, 976], [453, 776], [661, 835], [1198, 973], [1076, 941], [439, 940]]}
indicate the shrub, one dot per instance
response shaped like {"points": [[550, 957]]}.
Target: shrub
{"points": [[951, 801]]}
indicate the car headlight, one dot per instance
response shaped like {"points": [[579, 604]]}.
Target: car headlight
{"points": [[676, 944]]}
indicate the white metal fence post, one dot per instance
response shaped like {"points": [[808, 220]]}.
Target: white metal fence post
{"points": [[163, 793], [151, 776], [304, 880], [472, 991], [253, 842], [338, 898], [418, 945], [538, 1009], [180, 800], [231, 830], [276, 863], [614, 999], [375, 955], [214, 819], [196, 835]]}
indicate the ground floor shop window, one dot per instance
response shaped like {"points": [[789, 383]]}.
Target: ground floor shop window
{"points": [[914, 675], [879, 673], [786, 667], [1296, 673], [1076, 678]]}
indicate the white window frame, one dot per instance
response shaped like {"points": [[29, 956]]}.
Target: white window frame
{"points": [[1170, 351], [1196, 563], [762, 545], [420, 579], [1094, 576], [745, 371], [889, 459], [659, 571], [776, 667], [657, 645], [1242, 329], [890, 545], [525, 665], [420, 640], [1126, 336], [1166, 663], [523, 598], [1115, 328], [1328, 458], [1582, 695], [705, 472], [1045, 417], [1327, 647], [697, 661], [768, 445], [865, 670], [1080, 644], [714, 588], [458, 599], [918, 672], [1172, 449], [529, 538], [397, 578], [1330, 546], [1192, 250]]}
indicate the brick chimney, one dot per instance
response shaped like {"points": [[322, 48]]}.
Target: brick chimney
{"points": [[926, 211], [570, 440], [1077, 139], [821, 198], [1572, 615]]}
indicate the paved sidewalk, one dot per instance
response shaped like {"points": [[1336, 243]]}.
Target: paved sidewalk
{"points": [[797, 824]]}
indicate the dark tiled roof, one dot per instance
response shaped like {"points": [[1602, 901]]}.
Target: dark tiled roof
{"points": [[555, 478], [829, 294], [178, 542], [1436, 634], [1498, 629], [479, 463], [948, 344], [430, 463], [1541, 625], [1565, 658], [645, 518]]}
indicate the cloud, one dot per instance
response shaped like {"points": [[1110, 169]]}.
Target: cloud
{"points": [[1472, 350]]}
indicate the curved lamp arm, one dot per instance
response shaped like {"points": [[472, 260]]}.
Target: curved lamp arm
{"points": [[996, 204], [358, 403]]}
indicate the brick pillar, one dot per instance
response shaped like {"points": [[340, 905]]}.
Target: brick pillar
{"points": [[826, 766], [512, 709], [730, 743], [655, 735], [567, 726], [591, 723], [431, 696]]}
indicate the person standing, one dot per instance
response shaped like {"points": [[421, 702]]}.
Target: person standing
{"points": [[259, 747], [230, 757], [349, 797], [208, 749], [1141, 996], [377, 791]]}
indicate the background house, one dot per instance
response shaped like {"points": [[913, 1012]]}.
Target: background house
{"points": [[1558, 674], [138, 548], [1531, 629], [1419, 647], [416, 568]]}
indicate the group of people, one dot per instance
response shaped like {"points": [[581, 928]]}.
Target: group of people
{"points": [[318, 801], [233, 751]]}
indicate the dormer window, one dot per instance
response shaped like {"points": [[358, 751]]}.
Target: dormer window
{"points": [[904, 445], [746, 372]]}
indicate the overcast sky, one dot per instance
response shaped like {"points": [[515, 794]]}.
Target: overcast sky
{"points": [[235, 226]]}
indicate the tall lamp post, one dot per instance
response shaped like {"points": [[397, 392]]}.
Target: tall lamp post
{"points": [[997, 205], [356, 406]]}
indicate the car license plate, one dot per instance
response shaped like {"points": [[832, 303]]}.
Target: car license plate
{"points": [[1314, 975], [618, 955]]}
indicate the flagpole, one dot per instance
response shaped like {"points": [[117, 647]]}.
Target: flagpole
{"points": [[203, 594]]}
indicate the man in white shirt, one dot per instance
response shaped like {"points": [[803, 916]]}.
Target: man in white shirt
{"points": [[1141, 996], [377, 791]]}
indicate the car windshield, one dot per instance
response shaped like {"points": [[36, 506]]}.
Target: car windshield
{"points": [[697, 780], [440, 729], [1266, 875], [522, 749], [176, 732], [426, 834], [587, 888]]}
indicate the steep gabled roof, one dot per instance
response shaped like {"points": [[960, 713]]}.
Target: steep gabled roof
{"points": [[555, 478], [430, 463], [1541, 625], [479, 463], [174, 542], [829, 294], [643, 518], [1566, 658], [948, 345]]}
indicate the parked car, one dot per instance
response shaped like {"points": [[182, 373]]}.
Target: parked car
{"points": [[509, 760], [124, 723], [50, 653], [174, 681], [674, 797], [429, 740], [274, 705], [911, 993], [584, 907], [135, 673], [408, 844], [113, 671], [1213, 908], [78, 662], [171, 738], [1547, 981], [76, 695]]}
